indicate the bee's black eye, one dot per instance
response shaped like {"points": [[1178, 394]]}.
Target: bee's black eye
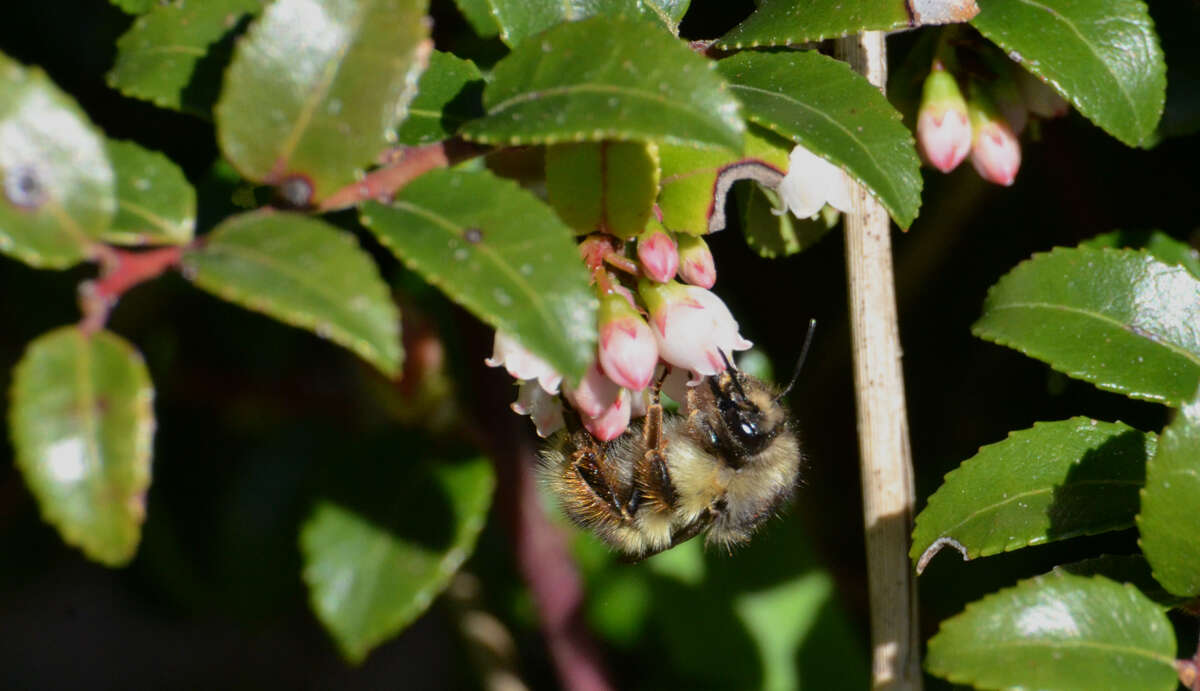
{"points": [[748, 429]]}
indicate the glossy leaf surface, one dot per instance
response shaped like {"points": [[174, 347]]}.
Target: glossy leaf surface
{"points": [[690, 192], [1120, 319], [81, 421], [374, 561], [303, 272], [1062, 632], [604, 78], [501, 253], [133, 6], [316, 88], [174, 54], [449, 93], [787, 22], [56, 185], [520, 19], [1124, 568], [1102, 56], [1170, 519], [155, 203], [1054, 481], [822, 104], [608, 186], [1161, 246], [479, 15]]}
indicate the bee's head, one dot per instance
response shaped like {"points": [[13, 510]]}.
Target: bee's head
{"points": [[744, 417]]}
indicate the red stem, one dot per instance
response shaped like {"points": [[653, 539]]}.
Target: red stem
{"points": [[121, 270], [401, 168]]}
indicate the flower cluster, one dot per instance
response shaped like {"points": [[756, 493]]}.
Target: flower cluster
{"points": [[984, 124], [648, 320]]}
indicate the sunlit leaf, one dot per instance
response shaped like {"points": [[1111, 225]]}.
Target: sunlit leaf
{"points": [[604, 78], [175, 53], [449, 93], [607, 186], [1124, 568], [316, 89], [155, 203], [787, 22], [134, 6], [375, 558], [1170, 520], [1103, 56], [1120, 319], [822, 104], [501, 253], [57, 193], [303, 272], [81, 423], [1061, 632], [1161, 246], [1054, 481], [520, 19]]}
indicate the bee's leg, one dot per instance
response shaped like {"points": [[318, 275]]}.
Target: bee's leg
{"points": [[686, 533], [654, 482], [597, 496]]}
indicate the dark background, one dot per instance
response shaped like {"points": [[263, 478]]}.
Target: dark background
{"points": [[251, 414]]}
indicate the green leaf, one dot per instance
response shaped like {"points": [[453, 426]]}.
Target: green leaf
{"points": [[1054, 481], [1119, 319], [1161, 246], [351, 67], [1169, 522], [498, 251], [81, 423], [174, 54], [604, 78], [155, 203], [1124, 568], [374, 561], [779, 235], [822, 104], [780, 619], [479, 15], [1102, 56], [134, 6], [607, 186], [449, 93], [56, 185], [520, 19], [695, 182], [787, 22], [303, 272], [1061, 632]]}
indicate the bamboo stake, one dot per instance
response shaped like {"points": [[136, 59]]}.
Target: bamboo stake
{"points": [[885, 456]]}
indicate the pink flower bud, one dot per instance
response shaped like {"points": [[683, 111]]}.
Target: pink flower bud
{"points": [[521, 363], [544, 409], [693, 327], [657, 253], [943, 128], [696, 262], [595, 394], [995, 151], [628, 351], [613, 421]]}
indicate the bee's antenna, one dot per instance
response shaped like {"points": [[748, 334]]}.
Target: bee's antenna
{"points": [[729, 365], [812, 326]]}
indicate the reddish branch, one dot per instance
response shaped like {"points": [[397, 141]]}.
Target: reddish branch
{"points": [[120, 271], [401, 166]]}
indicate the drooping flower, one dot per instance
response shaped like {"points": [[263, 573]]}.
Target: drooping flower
{"points": [[657, 253], [812, 182], [695, 330], [595, 394], [612, 422], [995, 151], [943, 127], [522, 364], [543, 408], [696, 264], [628, 351]]}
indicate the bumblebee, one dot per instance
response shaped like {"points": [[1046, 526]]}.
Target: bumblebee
{"points": [[724, 467]]}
